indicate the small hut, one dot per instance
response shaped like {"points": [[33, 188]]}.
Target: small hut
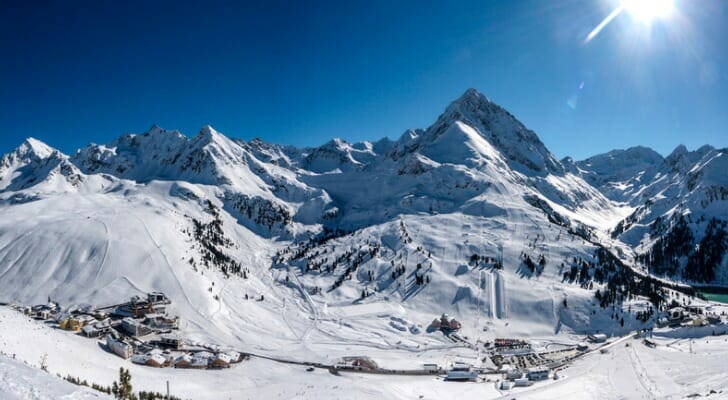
{"points": [[221, 360]]}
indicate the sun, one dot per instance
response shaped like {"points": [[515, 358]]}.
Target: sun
{"points": [[648, 10], [645, 11]]}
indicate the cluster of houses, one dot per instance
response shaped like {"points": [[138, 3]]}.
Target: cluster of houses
{"points": [[135, 318], [444, 323], [689, 316], [172, 354], [140, 330], [514, 377]]}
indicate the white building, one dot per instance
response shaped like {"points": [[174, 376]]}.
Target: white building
{"points": [[134, 327], [598, 338], [506, 385], [431, 368], [538, 374], [461, 372], [675, 314], [119, 348], [514, 373], [522, 382]]}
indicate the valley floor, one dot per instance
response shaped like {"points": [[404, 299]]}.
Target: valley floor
{"points": [[676, 368]]}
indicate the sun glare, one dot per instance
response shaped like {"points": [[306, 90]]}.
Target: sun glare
{"points": [[648, 10], [645, 11]]}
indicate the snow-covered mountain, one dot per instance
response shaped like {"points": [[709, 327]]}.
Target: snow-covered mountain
{"points": [[678, 227], [472, 216], [612, 172], [34, 163]]}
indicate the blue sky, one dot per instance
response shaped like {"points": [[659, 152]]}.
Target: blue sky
{"points": [[303, 72]]}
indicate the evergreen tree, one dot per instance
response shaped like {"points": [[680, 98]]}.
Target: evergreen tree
{"points": [[123, 390]]}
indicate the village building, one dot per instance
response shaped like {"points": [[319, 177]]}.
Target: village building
{"points": [[151, 360], [522, 382], [164, 353], [75, 322], [461, 372], [204, 354], [676, 314], [155, 303], [444, 322], [97, 329], [157, 360], [43, 311], [199, 363], [597, 338], [183, 361], [511, 344], [43, 314], [431, 368], [360, 363], [235, 357], [506, 385], [221, 360], [140, 359], [161, 321], [121, 349], [538, 374], [170, 341], [134, 327], [695, 309], [98, 314], [191, 362], [511, 373], [158, 298]]}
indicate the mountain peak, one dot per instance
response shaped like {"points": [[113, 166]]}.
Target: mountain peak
{"points": [[34, 147], [521, 146], [155, 129], [679, 151], [208, 130], [471, 105], [472, 95], [209, 134]]}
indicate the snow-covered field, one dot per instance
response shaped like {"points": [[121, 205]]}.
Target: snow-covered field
{"points": [[675, 369]]}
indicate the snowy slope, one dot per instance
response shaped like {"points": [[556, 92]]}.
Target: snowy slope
{"points": [[687, 188], [19, 381]]}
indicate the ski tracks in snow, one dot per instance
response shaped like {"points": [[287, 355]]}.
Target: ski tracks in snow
{"points": [[100, 269], [169, 266], [309, 301]]}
